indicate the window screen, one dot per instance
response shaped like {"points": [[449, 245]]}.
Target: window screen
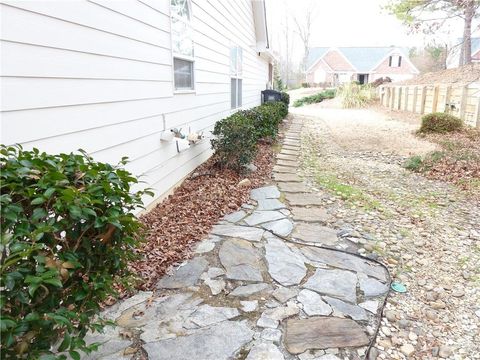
{"points": [[183, 74]]}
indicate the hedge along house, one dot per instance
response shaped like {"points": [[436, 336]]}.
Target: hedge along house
{"points": [[115, 77], [334, 66]]}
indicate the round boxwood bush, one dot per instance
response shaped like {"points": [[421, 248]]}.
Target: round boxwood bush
{"points": [[440, 123], [67, 234], [235, 141]]}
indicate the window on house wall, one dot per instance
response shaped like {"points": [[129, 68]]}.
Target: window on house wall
{"points": [[236, 60], [395, 61], [182, 45]]}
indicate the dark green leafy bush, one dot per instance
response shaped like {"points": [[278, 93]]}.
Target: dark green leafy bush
{"points": [[236, 137], [326, 94], [235, 141], [440, 123], [285, 98], [67, 234]]}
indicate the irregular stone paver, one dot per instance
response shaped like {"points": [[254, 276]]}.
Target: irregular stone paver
{"points": [[370, 305], [270, 204], [294, 187], [205, 246], [184, 276], [242, 232], [220, 341], [310, 214], [345, 261], [285, 169], [371, 287], [313, 303], [235, 217], [249, 306], [284, 265], [265, 351], [287, 177], [288, 163], [303, 199], [266, 192], [337, 283], [289, 152], [258, 217], [341, 308], [113, 343], [287, 157], [207, 315], [283, 294], [322, 333], [274, 335], [248, 290], [281, 227], [241, 260], [314, 233]]}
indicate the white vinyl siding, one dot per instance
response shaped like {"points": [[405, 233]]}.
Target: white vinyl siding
{"points": [[98, 75]]}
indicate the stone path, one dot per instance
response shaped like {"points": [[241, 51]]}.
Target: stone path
{"points": [[263, 285]]}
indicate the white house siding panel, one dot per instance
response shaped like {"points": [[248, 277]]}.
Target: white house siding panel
{"points": [[98, 75]]}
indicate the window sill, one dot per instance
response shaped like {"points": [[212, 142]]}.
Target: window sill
{"points": [[179, 92]]}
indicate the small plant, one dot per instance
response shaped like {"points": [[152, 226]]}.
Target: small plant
{"points": [[440, 123], [413, 163], [67, 235], [354, 95]]}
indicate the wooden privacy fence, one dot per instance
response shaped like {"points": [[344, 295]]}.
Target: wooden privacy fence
{"points": [[459, 100]]}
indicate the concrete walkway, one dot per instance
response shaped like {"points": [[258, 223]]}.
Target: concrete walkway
{"points": [[267, 284]]}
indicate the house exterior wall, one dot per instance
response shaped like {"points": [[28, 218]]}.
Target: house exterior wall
{"points": [[337, 62], [98, 75], [318, 73], [403, 72]]}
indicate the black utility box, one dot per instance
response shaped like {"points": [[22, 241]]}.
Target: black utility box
{"points": [[271, 96]]}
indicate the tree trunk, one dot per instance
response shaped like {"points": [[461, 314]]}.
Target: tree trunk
{"points": [[467, 33]]}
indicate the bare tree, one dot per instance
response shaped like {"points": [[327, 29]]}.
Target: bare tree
{"points": [[303, 23]]}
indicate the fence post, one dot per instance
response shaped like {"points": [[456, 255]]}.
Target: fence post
{"points": [[422, 101], [399, 103], [414, 105], [463, 103], [448, 95], [394, 90], [405, 104], [436, 90]]}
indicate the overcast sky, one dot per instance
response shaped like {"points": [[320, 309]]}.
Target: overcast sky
{"points": [[345, 23]]}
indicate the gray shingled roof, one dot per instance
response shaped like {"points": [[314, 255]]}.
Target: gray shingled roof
{"points": [[364, 59]]}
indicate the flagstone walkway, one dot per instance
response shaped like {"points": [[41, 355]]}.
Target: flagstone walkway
{"points": [[272, 281]]}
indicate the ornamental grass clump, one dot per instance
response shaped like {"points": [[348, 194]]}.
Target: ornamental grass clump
{"points": [[440, 123], [67, 234], [354, 95]]}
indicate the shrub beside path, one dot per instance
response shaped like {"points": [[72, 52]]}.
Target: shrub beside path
{"points": [[272, 281]]}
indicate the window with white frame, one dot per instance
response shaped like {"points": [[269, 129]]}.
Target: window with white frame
{"points": [[236, 60], [395, 61], [182, 45]]}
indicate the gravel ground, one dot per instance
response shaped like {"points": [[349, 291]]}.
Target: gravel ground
{"points": [[428, 232]]}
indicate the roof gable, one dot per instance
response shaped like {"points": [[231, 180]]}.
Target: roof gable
{"points": [[363, 59]]}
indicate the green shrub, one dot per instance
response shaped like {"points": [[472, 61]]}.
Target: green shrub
{"points": [[316, 98], [440, 123], [67, 234], [354, 95], [285, 98], [235, 141], [413, 163], [236, 136]]}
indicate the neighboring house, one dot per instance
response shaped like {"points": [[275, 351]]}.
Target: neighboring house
{"points": [[333, 66], [114, 77]]}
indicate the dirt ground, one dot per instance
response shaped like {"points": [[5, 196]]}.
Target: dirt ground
{"points": [[369, 129]]}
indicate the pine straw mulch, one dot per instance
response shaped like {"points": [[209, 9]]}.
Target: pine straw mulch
{"points": [[460, 75], [187, 216], [458, 162]]}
